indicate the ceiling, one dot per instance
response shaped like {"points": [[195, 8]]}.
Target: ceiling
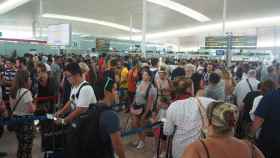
{"points": [[159, 19]]}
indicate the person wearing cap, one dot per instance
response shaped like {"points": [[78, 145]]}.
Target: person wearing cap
{"points": [[163, 84], [220, 142], [81, 96], [99, 131]]}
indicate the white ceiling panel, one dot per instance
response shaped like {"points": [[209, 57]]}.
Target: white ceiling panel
{"points": [[119, 11]]}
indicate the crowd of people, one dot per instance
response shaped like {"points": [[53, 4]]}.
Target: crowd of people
{"points": [[206, 109]]}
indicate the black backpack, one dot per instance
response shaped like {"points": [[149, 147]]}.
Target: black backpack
{"points": [[79, 90], [154, 73], [86, 140]]}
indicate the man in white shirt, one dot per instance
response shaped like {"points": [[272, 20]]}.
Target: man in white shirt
{"points": [[266, 86], [82, 95], [245, 86], [185, 122]]}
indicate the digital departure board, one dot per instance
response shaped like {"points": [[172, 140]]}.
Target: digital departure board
{"points": [[234, 41]]}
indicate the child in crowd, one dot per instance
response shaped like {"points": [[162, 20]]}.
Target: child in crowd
{"points": [[160, 139]]}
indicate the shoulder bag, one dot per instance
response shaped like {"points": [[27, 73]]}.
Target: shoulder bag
{"points": [[13, 126], [204, 120]]}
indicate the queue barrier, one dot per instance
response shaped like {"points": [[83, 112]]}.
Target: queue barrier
{"points": [[25, 119], [31, 119]]}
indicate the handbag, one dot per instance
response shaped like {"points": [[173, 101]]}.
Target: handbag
{"points": [[12, 127], [204, 120]]}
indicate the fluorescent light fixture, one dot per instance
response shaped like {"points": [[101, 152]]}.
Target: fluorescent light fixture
{"points": [[92, 21], [231, 25], [181, 9], [9, 5]]}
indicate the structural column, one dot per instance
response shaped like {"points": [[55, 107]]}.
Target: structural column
{"points": [[144, 27], [226, 35], [130, 32]]}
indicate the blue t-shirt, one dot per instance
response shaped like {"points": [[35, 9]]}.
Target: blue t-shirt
{"points": [[269, 110], [110, 122]]}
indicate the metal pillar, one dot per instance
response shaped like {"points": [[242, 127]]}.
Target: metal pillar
{"points": [[39, 19], [224, 17], [144, 21], [34, 30], [227, 36], [130, 32]]}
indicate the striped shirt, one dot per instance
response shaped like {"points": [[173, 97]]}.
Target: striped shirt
{"points": [[8, 75]]}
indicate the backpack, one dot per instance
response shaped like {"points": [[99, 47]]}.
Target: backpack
{"points": [[85, 140], [79, 90], [154, 73], [155, 99]]}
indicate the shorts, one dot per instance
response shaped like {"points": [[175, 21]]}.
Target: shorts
{"points": [[137, 110]]}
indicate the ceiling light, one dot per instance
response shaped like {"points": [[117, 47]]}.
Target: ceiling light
{"points": [[92, 21], [9, 5], [181, 9], [246, 23]]}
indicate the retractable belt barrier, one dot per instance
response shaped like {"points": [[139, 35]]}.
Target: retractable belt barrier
{"points": [[134, 131], [25, 119], [31, 119]]}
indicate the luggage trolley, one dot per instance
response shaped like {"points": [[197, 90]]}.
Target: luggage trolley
{"points": [[53, 137]]}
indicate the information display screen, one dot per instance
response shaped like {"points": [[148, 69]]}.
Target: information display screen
{"points": [[59, 35], [102, 44]]}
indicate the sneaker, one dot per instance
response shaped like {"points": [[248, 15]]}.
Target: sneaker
{"points": [[140, 145]]}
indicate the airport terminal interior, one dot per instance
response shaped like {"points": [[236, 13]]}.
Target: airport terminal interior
{"points": [[139, 78]]}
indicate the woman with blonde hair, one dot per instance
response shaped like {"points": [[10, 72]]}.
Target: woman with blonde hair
{"points": [[84, 68], [220, 142]]}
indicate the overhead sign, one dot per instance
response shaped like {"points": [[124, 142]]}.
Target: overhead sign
{"points": [[234, 41], [220, 52], [102, 45], [59, 35]]}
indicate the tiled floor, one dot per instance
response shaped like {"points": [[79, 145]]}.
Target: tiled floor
{"points": [[8, 144]]}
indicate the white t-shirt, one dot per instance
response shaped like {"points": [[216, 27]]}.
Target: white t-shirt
{"points": [[48, 68], [184, 116], [256, 103], [257, 100], [85, 98], [242, 89]]}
